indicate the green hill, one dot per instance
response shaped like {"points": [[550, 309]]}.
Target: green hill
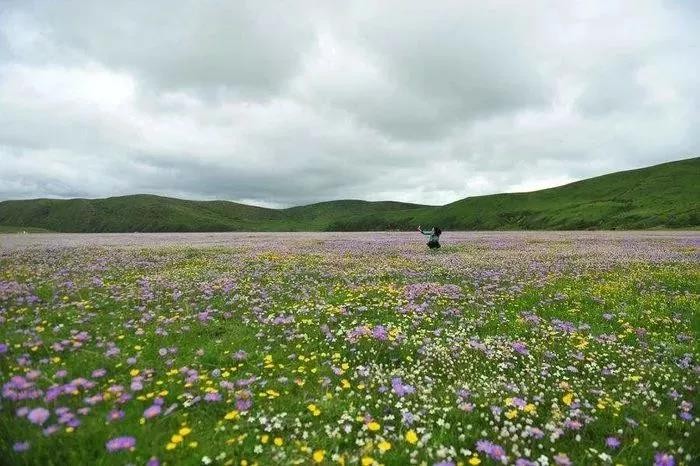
{"points": [[662, 196]]}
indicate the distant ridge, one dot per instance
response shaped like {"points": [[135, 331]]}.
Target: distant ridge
{"points": [[660, 196]]}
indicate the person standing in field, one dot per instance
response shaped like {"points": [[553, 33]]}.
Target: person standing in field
{"points": [[434, 236]]}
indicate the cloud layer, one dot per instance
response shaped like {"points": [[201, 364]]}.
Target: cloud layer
{"points": [[280, 104]]}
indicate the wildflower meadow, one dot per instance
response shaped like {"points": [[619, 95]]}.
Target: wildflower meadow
{"points": [[542, 348]]}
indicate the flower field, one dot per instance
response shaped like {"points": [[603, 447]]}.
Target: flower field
{"points": [[541, 348]]}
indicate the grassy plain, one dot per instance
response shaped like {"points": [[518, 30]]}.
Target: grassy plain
{"points": [[556, 347]]}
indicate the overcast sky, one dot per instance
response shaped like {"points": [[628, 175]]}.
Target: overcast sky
{"points": [[287, 103]]}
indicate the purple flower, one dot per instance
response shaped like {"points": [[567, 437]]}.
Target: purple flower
{"points": [[572, 424], [520, 347], [664, 459], [120, 443], [19, 447], [444, 463], [115, 415], [496, 452], [3, 348], [612, 442], [380, 333], [99, 373], [401, 389], [519, 402], [38, 416], [562, 460], [212, 397], [244, 400], [153, 461]]}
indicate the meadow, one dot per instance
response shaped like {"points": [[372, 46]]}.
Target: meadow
{"points": [[547, 348]]}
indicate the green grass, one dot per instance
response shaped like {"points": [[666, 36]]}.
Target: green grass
{"points": [[662, 196]]}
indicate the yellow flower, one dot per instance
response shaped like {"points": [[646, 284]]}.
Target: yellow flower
{"points": [[345, 383], [314, 409], [176, 438], [568, 398], [318, 456], [231, 415], [192, 444], [512, 414], [383, 446], [530, 408], [134, 372], [170, 446], [278, 441], [367, 461], [474, 460], [264, 438], [373, 426], [411, 437], [184, 431]]}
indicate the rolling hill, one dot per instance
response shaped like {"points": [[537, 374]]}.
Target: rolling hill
{"points": [[661, 196]]}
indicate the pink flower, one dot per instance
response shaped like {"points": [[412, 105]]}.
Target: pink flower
{"points": [[38, 415], [151, 411]]}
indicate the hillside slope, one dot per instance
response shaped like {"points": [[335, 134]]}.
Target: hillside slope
{"points": [[661, 196]]}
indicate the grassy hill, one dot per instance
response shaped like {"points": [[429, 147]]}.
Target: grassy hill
{"points": [[662, 196]]}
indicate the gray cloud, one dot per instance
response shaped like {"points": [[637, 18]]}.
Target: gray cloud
{"points": [[282, 105]]}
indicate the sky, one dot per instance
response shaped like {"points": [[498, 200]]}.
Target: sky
{"points": [[289, 103]]}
